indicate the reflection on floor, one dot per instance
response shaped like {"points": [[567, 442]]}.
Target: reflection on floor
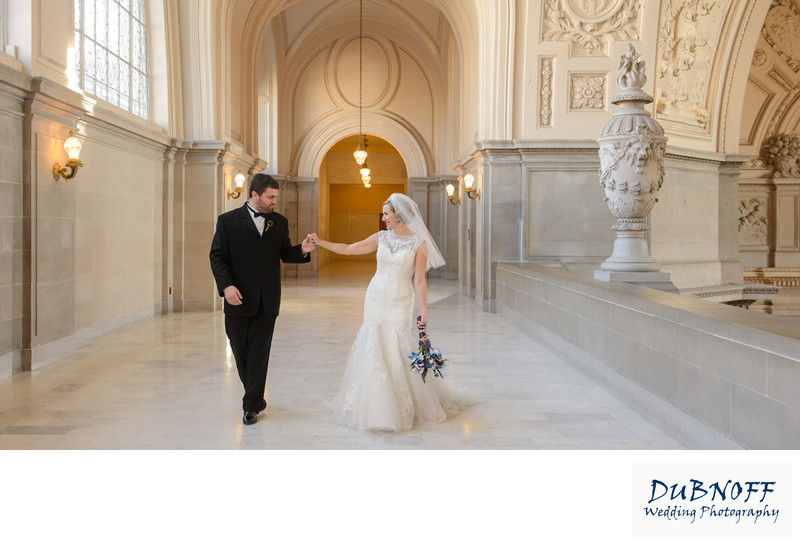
{"points": [[170, 383]]}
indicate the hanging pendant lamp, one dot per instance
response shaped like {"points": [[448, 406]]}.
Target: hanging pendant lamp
{"points": [[361, 151]]}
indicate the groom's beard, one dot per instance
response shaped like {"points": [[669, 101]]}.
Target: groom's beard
{"points": [[263, 207]]}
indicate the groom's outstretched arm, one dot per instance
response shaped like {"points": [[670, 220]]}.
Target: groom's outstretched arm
{"points": [[293, 253]]}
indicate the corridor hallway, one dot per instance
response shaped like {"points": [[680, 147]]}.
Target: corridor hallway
{"points": [[170, 383]]}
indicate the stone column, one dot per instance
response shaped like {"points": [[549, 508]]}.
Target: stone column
{"points": [[48, 288], [203, 200], [787, 223], [298, 201], [431, 198], [498, 215], [13, 88]]}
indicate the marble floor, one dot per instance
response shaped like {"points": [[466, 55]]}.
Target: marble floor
{"points": [[170, 383]]}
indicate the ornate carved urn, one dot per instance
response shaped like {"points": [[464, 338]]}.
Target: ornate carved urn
{"points": [[632, 147]]}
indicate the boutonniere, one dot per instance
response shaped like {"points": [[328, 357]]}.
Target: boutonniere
{"points": [[268, 225]]}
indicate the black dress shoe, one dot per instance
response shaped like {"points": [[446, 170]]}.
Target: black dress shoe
{"points": [[249, 417], [263, 406]]}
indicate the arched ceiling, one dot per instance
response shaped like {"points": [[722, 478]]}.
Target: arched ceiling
{"points": [[772, 101], [292, 22], [301, 19]]}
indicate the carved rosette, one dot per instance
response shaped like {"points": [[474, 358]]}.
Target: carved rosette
{"points": [[588, 92], [632, 149]]}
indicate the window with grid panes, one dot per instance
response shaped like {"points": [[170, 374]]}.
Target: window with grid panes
{"points": [[111, 52]]}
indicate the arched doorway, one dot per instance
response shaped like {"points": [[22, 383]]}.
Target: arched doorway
{"points": [[348, 211]]}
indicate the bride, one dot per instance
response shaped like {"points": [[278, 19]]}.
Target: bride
{"points": [[379, 389]]}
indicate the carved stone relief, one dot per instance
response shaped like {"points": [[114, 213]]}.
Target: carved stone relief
{"points": [[781, 80], [782, 152], [756, 162], [588, 91], [686, 47], [753, 221], [759, 58], [589, 25], [546, 112], [782, 31]]}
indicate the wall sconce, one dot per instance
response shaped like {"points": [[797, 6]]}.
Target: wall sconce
{"points": [[73, 147], [237, 190], [451, 193], [469, 180]]}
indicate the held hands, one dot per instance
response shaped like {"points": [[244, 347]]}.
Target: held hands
{"points": [[316, 239], [232, 295], [309, 244]]}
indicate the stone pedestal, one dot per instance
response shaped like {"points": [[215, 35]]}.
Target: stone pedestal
{"points": [[653, 280], [631, 254]]}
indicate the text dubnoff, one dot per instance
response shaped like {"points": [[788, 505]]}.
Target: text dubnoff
{"points": [[733, 501]]}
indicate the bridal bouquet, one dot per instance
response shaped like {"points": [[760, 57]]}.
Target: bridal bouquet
{"points": [[426, 358]]}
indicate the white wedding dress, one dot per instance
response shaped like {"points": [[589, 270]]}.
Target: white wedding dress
{"points": [[379, 390]]}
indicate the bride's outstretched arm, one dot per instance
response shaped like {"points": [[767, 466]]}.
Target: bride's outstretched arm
{"points": [[420, 285], [358, 248]]}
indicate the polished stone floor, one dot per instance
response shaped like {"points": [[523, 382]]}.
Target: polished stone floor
{"points": [[170, 383]]}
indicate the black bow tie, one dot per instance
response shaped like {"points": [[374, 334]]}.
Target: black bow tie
{"points": [[257, 213]]}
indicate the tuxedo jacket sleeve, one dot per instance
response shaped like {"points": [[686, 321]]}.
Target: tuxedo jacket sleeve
{"points": [[251, 262]]}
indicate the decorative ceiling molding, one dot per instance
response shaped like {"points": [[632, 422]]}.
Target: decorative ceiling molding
{"points": [[782, 32], [687, 43], [589, 25]]}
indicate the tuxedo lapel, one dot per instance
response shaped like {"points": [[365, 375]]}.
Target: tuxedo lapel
{"points": [[248, 220]]}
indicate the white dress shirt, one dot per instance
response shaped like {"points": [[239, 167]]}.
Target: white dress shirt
{"points": [[259, 221]]}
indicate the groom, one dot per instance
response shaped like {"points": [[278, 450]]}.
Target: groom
{"points": [[248, 245]]}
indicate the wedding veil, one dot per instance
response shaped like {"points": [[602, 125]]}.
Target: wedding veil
{"points": [[408, 213]]}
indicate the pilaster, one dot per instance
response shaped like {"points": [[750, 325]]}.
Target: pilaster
{"points": [[429, 194]]}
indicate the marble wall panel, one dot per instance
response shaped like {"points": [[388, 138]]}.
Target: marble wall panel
{"points": [[763, 423], [783, 376], [563, 213]]}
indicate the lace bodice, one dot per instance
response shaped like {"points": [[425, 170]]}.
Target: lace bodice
{"points": [[395, 243], [396, 257], [390, 295]]}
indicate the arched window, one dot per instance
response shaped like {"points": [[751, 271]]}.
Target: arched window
{"points": [[111, 52]]}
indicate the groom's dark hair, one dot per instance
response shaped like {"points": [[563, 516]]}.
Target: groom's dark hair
{"points": [[260, 182]]}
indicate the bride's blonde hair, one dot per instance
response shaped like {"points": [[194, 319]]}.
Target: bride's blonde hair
{"points": [[389, 203]]}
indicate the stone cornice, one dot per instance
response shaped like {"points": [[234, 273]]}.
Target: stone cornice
{"points": [[14, 79], [698, 156]]}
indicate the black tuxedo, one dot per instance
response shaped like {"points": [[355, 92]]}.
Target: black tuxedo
{"points": [[243, 258]]}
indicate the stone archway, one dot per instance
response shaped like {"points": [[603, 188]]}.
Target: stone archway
{"points": [[347, 210], [316, 143]]}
